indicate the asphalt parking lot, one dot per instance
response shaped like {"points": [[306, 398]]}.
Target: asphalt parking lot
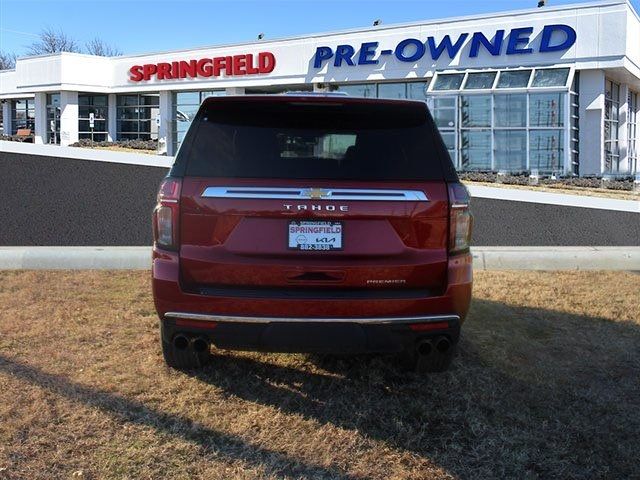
{"points": [[58, 201], [545, 385]]}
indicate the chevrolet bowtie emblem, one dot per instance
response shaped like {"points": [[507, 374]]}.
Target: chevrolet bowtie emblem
{"points": [[316, 193]]}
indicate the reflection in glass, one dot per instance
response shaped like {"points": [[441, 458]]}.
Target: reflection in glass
{"points": [[392, 90], [514, 79], [367, 90], [546, 150], [475, 149], [480, 80], [475, 111], [546, 109], [510, 150], [417, 90], [448, 81], [550, 77], [510, 110]]}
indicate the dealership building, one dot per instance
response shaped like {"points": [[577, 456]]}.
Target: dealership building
{"points": [[548, 91]]}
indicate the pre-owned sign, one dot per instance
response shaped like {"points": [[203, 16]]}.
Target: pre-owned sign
{"points": [[554, 38], [229, 66]]}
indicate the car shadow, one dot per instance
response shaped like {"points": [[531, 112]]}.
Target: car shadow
{"points": [[532, 392], [215, 443]]}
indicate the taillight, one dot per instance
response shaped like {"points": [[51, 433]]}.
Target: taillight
{"points": [[460, 219], [166, 214]]}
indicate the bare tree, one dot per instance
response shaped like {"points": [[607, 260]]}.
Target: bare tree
{"points": [[53, 41], [99, 47], [7, 60]]}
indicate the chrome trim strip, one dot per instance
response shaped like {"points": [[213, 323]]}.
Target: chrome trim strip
{"points": [[286, 193], [368, 321]]}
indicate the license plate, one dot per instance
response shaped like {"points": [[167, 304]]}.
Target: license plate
{"points": [[323, 236]]}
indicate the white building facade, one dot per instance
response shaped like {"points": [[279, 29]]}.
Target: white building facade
{"points": [[543, 91]]}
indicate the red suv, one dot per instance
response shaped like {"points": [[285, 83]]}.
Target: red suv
{"points": [[312, 223]]}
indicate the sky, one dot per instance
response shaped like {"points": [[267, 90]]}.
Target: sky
{"points": [[141, 26]]}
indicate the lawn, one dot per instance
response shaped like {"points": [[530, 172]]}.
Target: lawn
{"points": [[546, 385]]}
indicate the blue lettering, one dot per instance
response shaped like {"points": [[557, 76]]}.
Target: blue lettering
{"points": [[492, 47], [322, 54], [452, 49], [547, 34], [344, 53], [367, 51], [417, 55], [518, 37]]}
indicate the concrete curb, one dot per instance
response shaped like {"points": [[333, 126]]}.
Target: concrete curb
{"points": [[484, 258], [75, 258]]}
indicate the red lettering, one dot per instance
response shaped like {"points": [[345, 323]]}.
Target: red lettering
{"points": [[148, 70], [204, 67], [266, 62], [188, 68], [136, 73], [228, 66], [239, 65], [164, 71], [251, 70], [246, 64], [218, 64]]}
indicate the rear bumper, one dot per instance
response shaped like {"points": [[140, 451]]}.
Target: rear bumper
{"points": [[308, 324], [304, 335]]}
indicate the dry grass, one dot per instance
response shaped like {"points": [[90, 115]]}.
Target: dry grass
{"points": [[546, 385]]}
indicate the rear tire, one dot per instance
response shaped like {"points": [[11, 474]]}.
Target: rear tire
{"points": [[435, 362], [186, 359]]}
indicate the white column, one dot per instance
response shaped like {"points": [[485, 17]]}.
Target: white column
{"points": [[6, 117], [591, 134], [623, 130], [165, 132], [112, 118], [40, 105], [68, 118], [234, 91]]}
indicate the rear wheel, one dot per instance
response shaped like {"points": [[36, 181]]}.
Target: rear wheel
{"points": [[183, 356], [430, 355]]}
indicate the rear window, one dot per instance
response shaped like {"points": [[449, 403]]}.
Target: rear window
{"points": [[314, 140]]}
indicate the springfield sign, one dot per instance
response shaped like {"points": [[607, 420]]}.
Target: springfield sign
{"points": [[554, 38], [229, 66]]}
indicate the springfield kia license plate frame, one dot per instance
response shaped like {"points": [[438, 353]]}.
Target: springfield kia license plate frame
{"points": [[334, 240]]}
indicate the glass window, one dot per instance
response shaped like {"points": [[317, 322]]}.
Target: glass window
{"points": [[53, 118], [514, 79], [480, 80], [392, 90], [510, 150], [23, 115], [546, 109], [475, 149], [632, 124], [303, 141], [550, 77], [367, 90], [136, 114], [448, 81], [612, 127], [417, 90], [445, 117], [185, 106], [510, 110], [475, 111], [546, 150], [97, 105]]}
